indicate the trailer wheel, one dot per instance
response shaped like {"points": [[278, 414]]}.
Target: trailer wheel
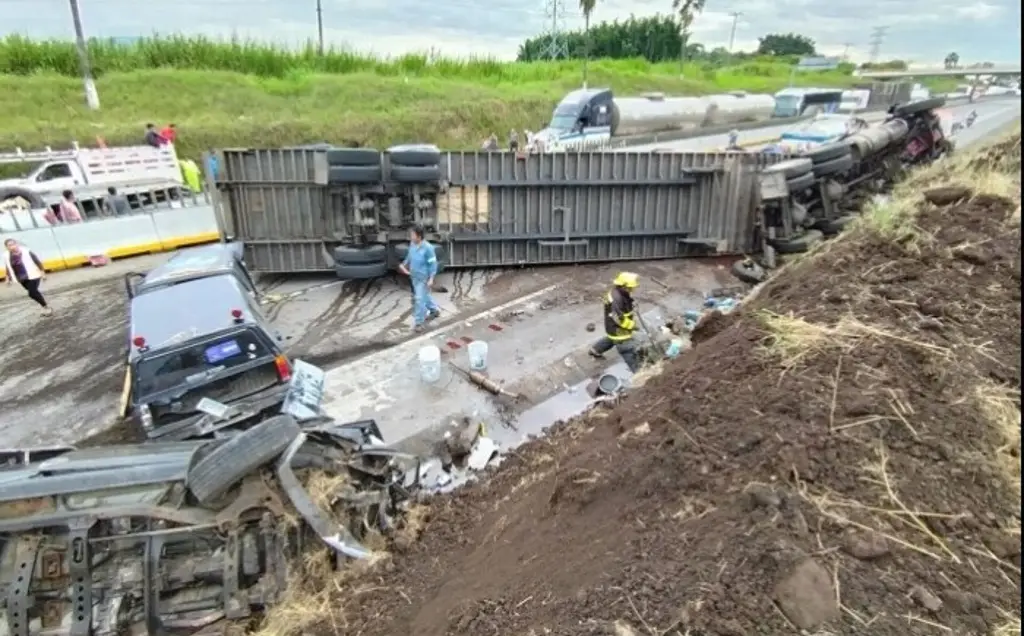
{"points": [[414, 158], [361, 254], [353, 157], [415, 174], [366, 271], [792, 168], [798, 244], [228, 462], [801, 183], [748, 271], [838, 165], [831, 227], [354, 174]]}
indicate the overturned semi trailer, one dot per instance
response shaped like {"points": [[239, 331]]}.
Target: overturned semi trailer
{"points": [[350, 209]]}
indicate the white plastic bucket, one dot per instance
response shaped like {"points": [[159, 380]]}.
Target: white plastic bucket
{"points": [[430, 364], [477, 355]]}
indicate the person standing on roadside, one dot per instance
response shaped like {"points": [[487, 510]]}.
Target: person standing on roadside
{"points": [[420, 265], [169, 133], [116, 204], [69, 211], [23, 265], [152, 137]]}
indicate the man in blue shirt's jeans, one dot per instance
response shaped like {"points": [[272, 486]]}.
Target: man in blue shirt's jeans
{"points": [[420, 266]]}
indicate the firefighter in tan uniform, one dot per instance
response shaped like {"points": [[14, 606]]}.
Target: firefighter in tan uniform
{"points": [[619, 321]]}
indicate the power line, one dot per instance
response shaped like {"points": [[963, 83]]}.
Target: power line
{"points": [[554, 14], [878, 34]]}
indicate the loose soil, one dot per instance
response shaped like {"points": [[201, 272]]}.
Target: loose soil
{"points": [[841, 456]]}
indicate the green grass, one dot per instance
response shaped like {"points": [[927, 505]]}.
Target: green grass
{"points": [[231, 94]]}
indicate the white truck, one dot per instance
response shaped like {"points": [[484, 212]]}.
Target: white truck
{"points": [[135, 171]]}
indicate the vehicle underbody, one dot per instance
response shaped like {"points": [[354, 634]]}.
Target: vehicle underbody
{"points": [[165, 537]]}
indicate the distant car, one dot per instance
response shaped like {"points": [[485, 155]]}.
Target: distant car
{"points": [[823, 129]]}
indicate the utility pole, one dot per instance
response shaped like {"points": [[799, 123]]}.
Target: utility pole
{"points": [[846, 51], [557, 47], [320, 27], [92, 96], [732, 34], [877, 37]]}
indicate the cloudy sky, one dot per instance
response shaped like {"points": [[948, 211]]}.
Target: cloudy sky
{"points": [[923, 31]]}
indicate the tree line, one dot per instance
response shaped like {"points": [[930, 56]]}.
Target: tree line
{"points": [[662, 38]]}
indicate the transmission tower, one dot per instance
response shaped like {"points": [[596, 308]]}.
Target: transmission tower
{"points": [[875, 40], [554, 18]]}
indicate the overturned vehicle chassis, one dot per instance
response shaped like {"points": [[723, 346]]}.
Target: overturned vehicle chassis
{"points": [[159, 538]]}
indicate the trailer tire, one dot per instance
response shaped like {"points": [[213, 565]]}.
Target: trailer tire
{"points": [[345, 175], [353, 157], [366, 271], [838, 165], [832, 227], [748, 271], [919, 107], [792, 168], [361, 254], [402, 250], [827, 152], [415, 158], [798, 244], [32, 200], [215, 472], [415, 174], [803, 182]]}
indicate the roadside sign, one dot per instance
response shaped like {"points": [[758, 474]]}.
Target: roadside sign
{"points": [[818, 63]]}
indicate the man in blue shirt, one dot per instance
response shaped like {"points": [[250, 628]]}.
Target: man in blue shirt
{"points": [[420, 265]]}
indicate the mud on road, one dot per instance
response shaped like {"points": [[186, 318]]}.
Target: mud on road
{"points": [[841, 457]]}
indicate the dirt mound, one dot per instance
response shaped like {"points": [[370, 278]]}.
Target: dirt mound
{"points": [[842, 455]]}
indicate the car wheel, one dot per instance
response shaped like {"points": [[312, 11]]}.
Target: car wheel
{"points": [[361, 254], [798, 244], [231, 460], [367, 271]]}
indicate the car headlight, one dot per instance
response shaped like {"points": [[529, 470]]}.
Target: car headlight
{"points": [[145, 417]]}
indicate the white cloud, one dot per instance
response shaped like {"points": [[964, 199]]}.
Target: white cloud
{"points": [[919, 30]]}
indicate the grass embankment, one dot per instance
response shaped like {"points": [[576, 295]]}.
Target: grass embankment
{"points": [[247, 94]]}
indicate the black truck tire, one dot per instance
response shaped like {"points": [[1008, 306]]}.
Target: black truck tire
{"points": [[801, 183], [749, 272], [353, 157], [839, 165], [341, 175], [415, 174], [231, 460], [360, 254], [367, 271], [792, 168], [32, 200], [415, 158], [827, 152], [798, 244]]}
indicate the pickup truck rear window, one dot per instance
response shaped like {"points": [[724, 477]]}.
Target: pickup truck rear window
{"points": [[196, 363]]}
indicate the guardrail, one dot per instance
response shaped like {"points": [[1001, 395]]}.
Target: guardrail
{"points": [[160, 227]]}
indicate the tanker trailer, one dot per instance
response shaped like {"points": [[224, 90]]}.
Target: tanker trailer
{"points": [[591, 117], [739, 107]]}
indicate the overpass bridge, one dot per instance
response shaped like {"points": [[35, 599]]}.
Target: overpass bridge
{"points": [[939, 71]]}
